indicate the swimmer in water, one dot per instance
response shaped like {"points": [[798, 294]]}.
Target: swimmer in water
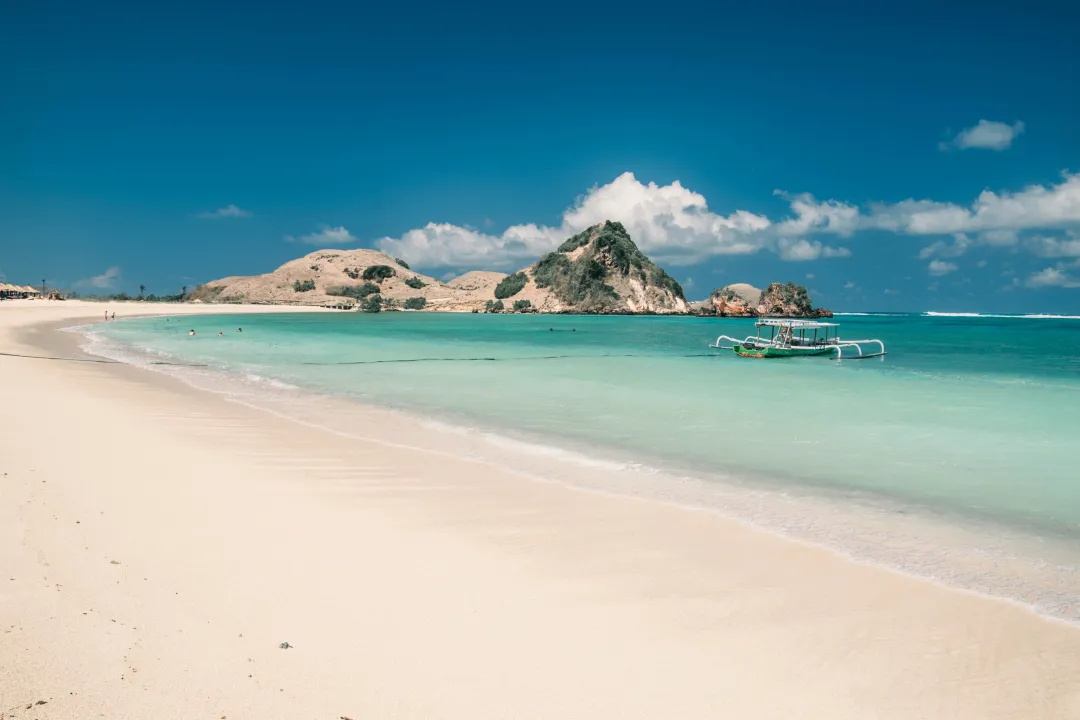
{"points": [[191, 333], [239, 329], [220, 334]]}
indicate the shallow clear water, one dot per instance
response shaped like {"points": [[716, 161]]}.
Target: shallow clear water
{"points": [[967, 417]]}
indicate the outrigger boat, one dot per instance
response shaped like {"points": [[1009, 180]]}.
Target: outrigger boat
{"points": [[797, 338]]}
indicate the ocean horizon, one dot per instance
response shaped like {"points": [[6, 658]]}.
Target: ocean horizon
{"points": [[950, 458]]}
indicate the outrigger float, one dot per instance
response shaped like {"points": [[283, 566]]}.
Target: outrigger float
{"points": [[798, 338]]}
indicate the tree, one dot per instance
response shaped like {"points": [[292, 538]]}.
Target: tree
{"points": [[415, 303], [183, 291], [142, 289], [378, 273], [511, 285]]}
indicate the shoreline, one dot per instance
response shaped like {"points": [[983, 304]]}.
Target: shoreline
{"points": [[452, 591], [1032, 568]]}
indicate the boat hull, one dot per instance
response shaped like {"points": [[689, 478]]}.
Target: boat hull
{"points": [[748, 351]]}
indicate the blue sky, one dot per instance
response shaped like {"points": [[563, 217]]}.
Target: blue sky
{"points": [[126, 127]]}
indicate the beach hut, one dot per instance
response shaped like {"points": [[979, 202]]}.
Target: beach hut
{"points": [[31, 291], [8, 291]]}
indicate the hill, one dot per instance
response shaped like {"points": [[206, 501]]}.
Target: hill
{"points": [[599, 270], [344, 278], [777, 300]]}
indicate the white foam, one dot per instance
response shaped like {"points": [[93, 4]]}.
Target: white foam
{"points": [[1038, 316]]}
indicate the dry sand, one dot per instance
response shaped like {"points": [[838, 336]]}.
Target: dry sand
{"points": [[158, 544]]}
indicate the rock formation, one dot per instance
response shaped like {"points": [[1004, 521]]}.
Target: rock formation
{"points": [[599, 270], [777, 300]]}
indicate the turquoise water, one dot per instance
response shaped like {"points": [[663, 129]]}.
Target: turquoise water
{"points": [[968, 417]]}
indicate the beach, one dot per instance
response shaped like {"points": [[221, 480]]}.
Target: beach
{"points": [[167, 553]]}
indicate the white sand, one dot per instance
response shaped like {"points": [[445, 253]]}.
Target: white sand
{"points": [[157, 544]]}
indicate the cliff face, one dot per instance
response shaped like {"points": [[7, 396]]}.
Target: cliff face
{"points": [[777, 300], [599, 270]]}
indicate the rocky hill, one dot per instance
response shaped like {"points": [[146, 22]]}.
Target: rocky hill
{"points": [[599, 270], [777, 300], [349, 278]]}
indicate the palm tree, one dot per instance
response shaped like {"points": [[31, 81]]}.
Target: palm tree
{"points": [[142, 288], [183, 291]]}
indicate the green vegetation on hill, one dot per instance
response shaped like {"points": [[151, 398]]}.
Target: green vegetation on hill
{"points": [[354, 291], [303, 286], [378, 273], [511, 285], [415, 303], [371, 304], [402, 263], [415, 283], [607, 249], [493, 306], [777, 296], [522, 306]]}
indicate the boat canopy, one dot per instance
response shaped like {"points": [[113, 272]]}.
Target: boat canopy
{"points": [[796, 324]]}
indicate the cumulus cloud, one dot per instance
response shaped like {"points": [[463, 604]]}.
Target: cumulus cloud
{"points": [[938, 268], [987, 135], [669, 222], [227, 211], [849, 285], [802, 250], [995, 215], [1053, 277], [1052, 247], [675, 225], [107, 280], [327, 237]]}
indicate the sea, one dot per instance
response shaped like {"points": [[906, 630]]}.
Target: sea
{"points": [[955, 457]]}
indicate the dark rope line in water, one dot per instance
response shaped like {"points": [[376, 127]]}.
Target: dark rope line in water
{"points": [[497, 359], [102, 361]]}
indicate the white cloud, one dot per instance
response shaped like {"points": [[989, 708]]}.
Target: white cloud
{"points": [[801, 250], [1053, 277], [940, 248], [940, 267], [1051, 247], [327, 237], [675, 226], [669, 222], [829, 216], [227, 211], [1036, 206], [849, 285], [810, 276], [107, 280], [987, 135]]}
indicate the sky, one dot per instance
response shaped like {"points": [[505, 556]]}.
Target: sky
{"points": [[890, 157]]}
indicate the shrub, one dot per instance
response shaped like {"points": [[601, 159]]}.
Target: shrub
{"points": [[352, 272], [493, 306], [415, 303], [305, 286], [314, 267], [358, 292], [511, 285], [402, 263], [371, 304], [415, 283], [378, 273], [522, 306]]}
